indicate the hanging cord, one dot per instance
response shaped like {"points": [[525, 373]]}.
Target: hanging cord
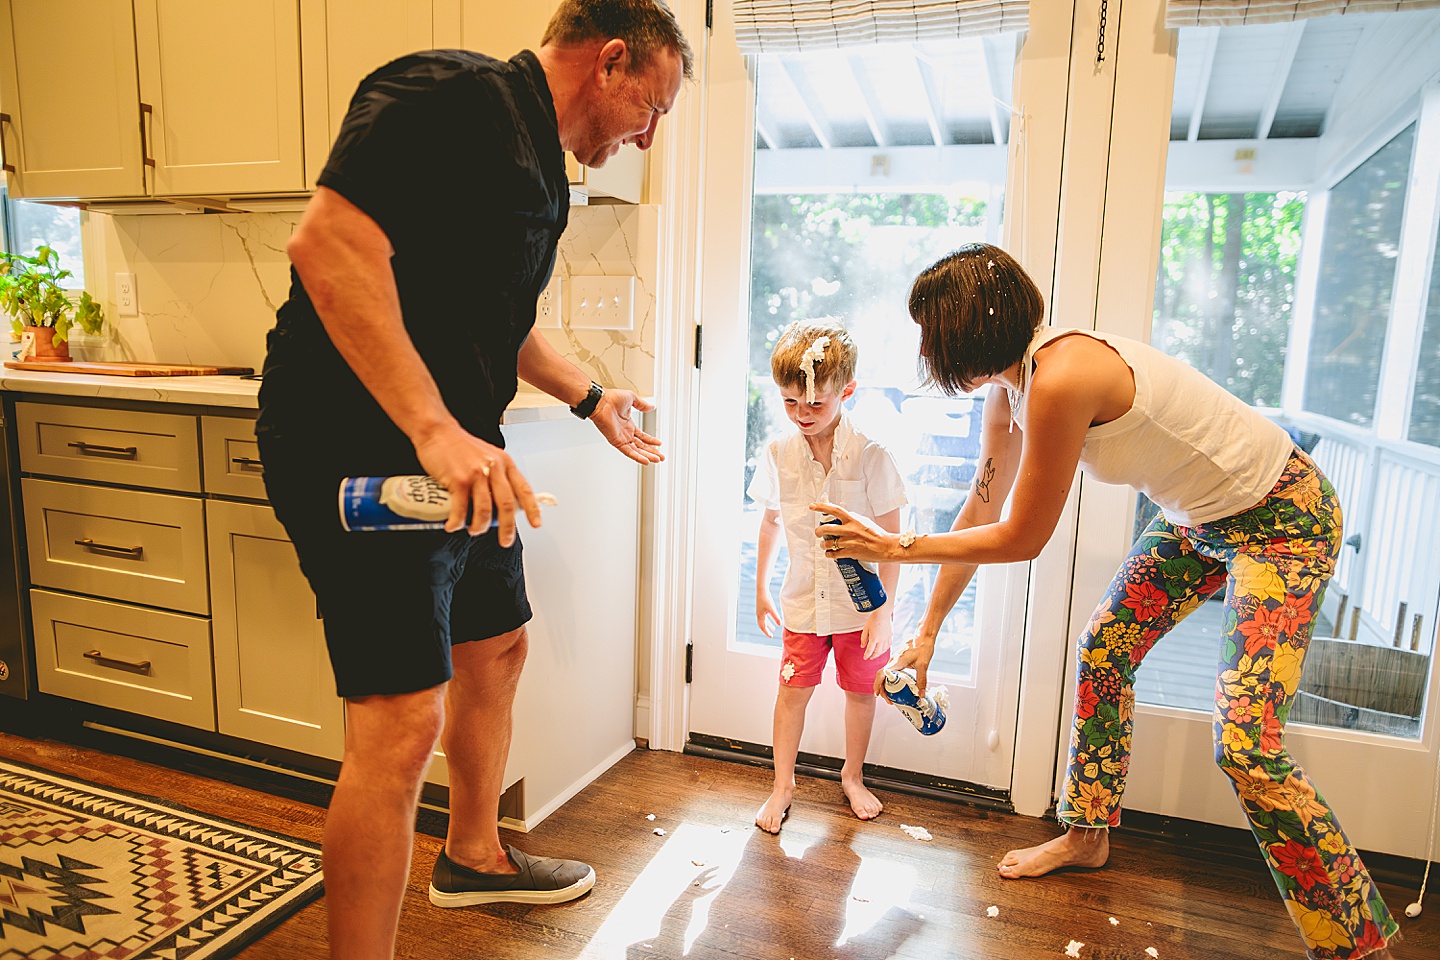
{"points": [[1100, 43], [1414, 909]]}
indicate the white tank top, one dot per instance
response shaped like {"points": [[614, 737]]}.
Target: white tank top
{"points": [[1186, 443]]}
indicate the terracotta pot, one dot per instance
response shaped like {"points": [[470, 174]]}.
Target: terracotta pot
{"points": [[46, 349]]}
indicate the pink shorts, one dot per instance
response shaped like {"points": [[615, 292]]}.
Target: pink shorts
{"points": [[802, 661]]}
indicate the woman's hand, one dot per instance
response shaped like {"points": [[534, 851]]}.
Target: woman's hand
{"points": [[856, 537], [917, 653]]}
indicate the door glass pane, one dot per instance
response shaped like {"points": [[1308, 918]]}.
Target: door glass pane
{"points": [[1251, 130], [1425, 405], [907, 164], [1357, 279]]}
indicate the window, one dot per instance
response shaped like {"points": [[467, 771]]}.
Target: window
{"points": [[1357, 276], [1425, 408], [29, 225]]}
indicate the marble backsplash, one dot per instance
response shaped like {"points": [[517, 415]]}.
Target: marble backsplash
{"points": [[208, 286]]}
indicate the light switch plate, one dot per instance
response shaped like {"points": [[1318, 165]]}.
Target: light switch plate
{"points": [[547, 307], [602, 303]]}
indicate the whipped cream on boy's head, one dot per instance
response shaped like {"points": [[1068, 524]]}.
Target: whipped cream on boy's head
{"points": [[812, 355]]}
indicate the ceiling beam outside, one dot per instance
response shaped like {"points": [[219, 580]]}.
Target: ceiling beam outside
{"points": [[998, 53], [1283, 64], [1209, 42], [806, 95], [869, 103], [931, 104], [766, 137]]}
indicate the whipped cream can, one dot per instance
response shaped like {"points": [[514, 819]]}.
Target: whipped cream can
{"points": [[410, 502], [927, 713], [862, 580]]}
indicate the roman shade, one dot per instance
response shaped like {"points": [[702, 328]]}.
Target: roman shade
{"points": [[771, 26], [1220, 13]]}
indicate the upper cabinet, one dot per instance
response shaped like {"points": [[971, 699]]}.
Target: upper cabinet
{"points": [[174, 98], [344, 40]]}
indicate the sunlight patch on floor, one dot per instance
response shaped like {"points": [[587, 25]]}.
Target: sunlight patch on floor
{"points": [[695, 862], [880, 886]]}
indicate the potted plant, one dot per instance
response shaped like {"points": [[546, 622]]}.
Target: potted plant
{"points": [[32, 295]]}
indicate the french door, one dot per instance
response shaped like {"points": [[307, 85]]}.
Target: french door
{"points": [[1294, 263], [833, 178]]}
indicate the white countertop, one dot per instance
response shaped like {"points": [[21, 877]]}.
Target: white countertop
{"points": [[529, 406]]}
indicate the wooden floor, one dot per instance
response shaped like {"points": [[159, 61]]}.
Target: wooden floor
{"points": [[715, 888]]}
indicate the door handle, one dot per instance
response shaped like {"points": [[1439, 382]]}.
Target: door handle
{"points": [[89, 544], [134, 666], [101, 450], [246, 463]]}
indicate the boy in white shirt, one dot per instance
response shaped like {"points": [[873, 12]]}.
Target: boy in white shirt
{"points": [[828, 459]]}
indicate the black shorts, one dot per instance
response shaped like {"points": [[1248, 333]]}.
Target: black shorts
{"points": [[393, 602]]}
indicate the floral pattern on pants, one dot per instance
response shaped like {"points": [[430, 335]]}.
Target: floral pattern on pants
{"points": [[1272, 561]]}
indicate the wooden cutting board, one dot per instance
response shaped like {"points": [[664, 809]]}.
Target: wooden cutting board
{"points": [[121, 368]]}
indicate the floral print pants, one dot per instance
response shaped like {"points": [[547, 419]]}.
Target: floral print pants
{"points": [[1272, 561]]}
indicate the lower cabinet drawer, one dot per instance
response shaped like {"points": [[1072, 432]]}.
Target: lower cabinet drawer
{"points": [[145, 661], [123, 544]]}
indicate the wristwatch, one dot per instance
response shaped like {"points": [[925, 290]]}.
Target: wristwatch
{"points": [[586, 407], [906, 539]]}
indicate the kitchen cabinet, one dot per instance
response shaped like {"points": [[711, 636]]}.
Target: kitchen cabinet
{"points": [[344, 40], [165, 98], [162, 584]]}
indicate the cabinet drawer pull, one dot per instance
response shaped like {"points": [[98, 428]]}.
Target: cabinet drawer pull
{"points": [[101, 450], [4, 164], [247, 463], [89, 544], [134, 666]]}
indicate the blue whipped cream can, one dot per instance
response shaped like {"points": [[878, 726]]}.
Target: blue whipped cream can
{"points": [[410, 502], [927, 713], [862, 580]]}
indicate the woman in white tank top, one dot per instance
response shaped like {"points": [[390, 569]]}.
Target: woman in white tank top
{"points": [[1242, 510]]}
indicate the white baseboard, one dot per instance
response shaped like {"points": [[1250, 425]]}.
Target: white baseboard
{"points": [[533, 821]]}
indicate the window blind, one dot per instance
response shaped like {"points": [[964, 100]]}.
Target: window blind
{"points": [[1219, 13], [770, 26]]}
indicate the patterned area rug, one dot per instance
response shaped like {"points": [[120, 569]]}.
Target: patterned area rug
{"points": [[87, 873]]}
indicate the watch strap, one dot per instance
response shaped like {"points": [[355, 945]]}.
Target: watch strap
{"points": [[586, 407]]}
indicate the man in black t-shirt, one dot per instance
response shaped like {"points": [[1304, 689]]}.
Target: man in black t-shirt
{"points": [[417, 266]]}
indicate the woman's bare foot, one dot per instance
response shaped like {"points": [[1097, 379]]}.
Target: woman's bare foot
{"points": [[776, 808], [1077, 847], [866, 805]]}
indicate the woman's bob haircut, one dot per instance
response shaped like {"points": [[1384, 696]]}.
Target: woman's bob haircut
{"points": [[977, 310]]}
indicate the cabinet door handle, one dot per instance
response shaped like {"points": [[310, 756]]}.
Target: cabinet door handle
{"points": [[134, 666], [147, 118], [89, 544], [4, 164], [100, 450], [246, 463]]}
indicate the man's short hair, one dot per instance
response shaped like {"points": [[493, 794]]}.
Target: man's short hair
{"points": [[835, 369], [646, 26]]}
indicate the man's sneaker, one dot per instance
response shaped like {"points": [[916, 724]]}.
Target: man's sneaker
{"points": [[540, 880]]}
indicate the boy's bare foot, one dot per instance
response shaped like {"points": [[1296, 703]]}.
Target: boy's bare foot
{"points": [[866, 805], [1078, 847], [773, 813]]}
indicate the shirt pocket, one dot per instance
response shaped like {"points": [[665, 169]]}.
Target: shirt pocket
{"points": [[850, 494]]}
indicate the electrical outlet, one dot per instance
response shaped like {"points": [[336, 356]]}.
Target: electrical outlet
{"points": [[127, 304], [547, 306], [602, 303]]}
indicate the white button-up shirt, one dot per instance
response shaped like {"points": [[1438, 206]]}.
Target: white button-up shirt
{"points": [[863, 479]]}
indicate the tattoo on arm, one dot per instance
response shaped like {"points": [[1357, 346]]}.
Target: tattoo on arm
{"points": [[982, 481]]}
